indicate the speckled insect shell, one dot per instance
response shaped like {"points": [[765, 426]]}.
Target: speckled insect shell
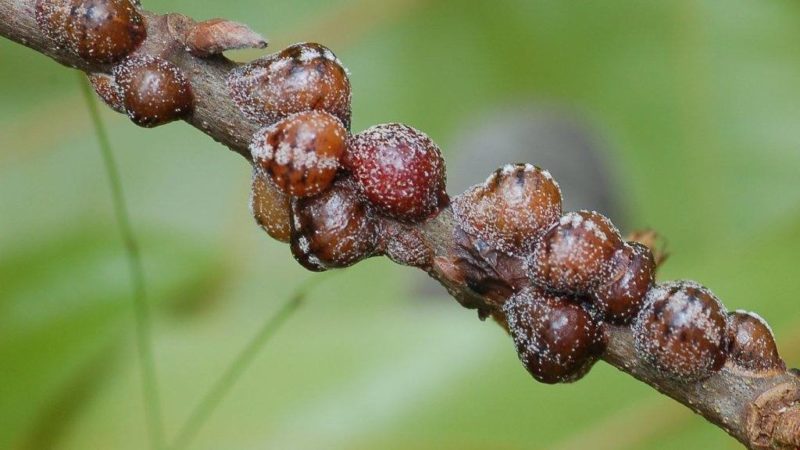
{"points": [[682, 331], [400, 170], [271, 208], [752, 344], [556, 338], [577, 254], [99, 31], [108, 91], [621, 298], [301, 152], [302, 77], [512, 209], [333, 229], [154, 91]]}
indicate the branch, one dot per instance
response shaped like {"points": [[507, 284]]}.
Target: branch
{"points": [[760, 409]]}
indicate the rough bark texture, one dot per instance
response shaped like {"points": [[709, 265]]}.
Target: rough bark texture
{"points": [[761, 411]]}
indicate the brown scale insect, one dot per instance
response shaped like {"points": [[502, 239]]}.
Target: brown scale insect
{"points": [[301, 152], [682, 331], [400, 170], [752, 344], [622, 297], [577, 254], [300, 78], [512, 208], [154, 91], [333, 229], [99, 31], [556, 338], [108, 91], [271, 208]]}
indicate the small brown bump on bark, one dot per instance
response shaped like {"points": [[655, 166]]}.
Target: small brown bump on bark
{"points": [[270, 207], [154, 91], [300, 78], [512, 208], [752, 344], [108, 91], [682, 331], [557, 339], [333, 229], [301, 152], [622, 297], [577, 254]]}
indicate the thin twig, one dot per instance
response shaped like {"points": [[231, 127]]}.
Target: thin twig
{"points": [[140, 307]]}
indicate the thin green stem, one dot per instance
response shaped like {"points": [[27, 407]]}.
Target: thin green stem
{"points": [[140, 307], [239, 365]]}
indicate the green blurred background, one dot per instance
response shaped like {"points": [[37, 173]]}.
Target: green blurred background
{"points": [[682, 116]]}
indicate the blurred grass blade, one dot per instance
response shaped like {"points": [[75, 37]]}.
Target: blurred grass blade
{"points": [[243, 360], [141, 312]]}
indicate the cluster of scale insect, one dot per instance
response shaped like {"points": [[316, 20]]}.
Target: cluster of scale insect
{"points": [[579, 261], [150, 90], [325, 192], [340, 186]]}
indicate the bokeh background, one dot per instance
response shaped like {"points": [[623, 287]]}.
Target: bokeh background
{"points": [[681, 116]]}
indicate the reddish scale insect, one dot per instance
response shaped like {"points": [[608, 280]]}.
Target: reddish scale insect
{"points": [[300, 78], [577, 254], [301, 152], [512, 208], [400, 171], [622, 297], [682, 331], [270, 207], [557, 340], [154, 91], [752, 344], [99, 31], [332, 229]]}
